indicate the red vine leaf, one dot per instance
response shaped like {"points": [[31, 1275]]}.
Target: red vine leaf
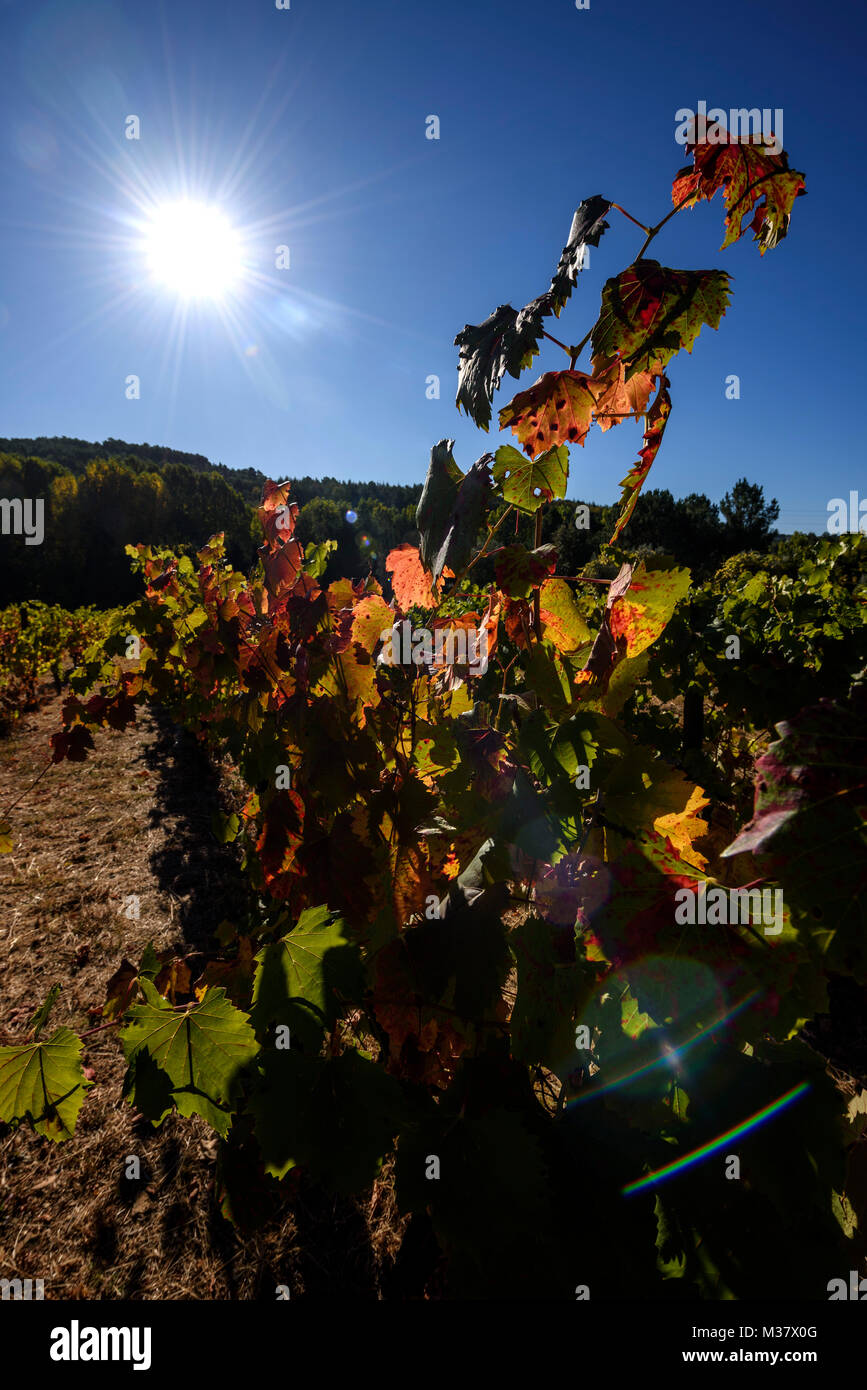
{"points": [[620, 398], [649, 312], [751, 176], [632, 484], [519, 570], [410, 580], [280, 840], [557, 409]]}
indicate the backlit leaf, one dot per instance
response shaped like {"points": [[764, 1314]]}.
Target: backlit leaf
{"points": [[526, 484], [451, 510], [519, 571], [632, 484], [508, 339], [751, 176], [557, 409], [201, 1050], [649, 312], [409, 579], [561, 620], [44, 1082]]}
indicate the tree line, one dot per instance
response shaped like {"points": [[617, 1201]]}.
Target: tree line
{"points": [[101, 497]]}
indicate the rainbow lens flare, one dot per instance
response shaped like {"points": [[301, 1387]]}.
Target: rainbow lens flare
{"points": [[706, 1150]]}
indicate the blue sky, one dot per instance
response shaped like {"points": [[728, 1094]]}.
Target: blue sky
{"points": [[307, 126]]}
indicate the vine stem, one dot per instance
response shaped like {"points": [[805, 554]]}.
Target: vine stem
{"points": [[552, 339], [631, 218], [654, 231], [4, 813], [114, 1023], [459, 578], [576, 351], [537, 541], [584, 579]]}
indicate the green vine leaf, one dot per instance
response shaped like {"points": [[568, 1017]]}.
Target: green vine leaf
{"points": [[291, 983], [44, 1082], [526, 483], [202, 1050], [336, 1116]]}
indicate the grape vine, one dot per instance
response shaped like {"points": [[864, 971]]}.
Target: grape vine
{"points": [[463, 954]]}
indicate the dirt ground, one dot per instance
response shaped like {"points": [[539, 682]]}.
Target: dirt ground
{"points": [[134, 820]]}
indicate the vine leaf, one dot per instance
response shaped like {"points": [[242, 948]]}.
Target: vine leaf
{"points": [[645, 794], [201, 1050], [370, 618], [45, 1083], [519, 571], [280, 839], [236, 975], [641, 615], [649, 312], [450, 510], [618, 398], [73, 743], [557, 409], [657, 419], [282, 555], [527, 485], [561, 406], [336, 1116], [559, 615], [508, 340], [409, 578], [638, 608], [587, 227], [290, 984], [751, 176], [605, 652]]}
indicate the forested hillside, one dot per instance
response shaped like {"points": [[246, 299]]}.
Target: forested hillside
{"points": [[100, 498]]}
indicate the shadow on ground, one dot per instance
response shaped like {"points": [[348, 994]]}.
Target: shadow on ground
{"points": [[202, 876]]}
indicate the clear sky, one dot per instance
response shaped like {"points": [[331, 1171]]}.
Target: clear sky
{"points": [[307, 127]]}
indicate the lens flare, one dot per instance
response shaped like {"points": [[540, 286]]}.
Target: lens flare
{"points": [[760, 1118], [670, 1057]]}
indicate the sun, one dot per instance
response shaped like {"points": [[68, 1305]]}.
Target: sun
{"points": [[193, 249]]}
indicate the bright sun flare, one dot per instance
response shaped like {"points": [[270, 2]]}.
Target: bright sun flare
{"points": [[193, 249]]}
